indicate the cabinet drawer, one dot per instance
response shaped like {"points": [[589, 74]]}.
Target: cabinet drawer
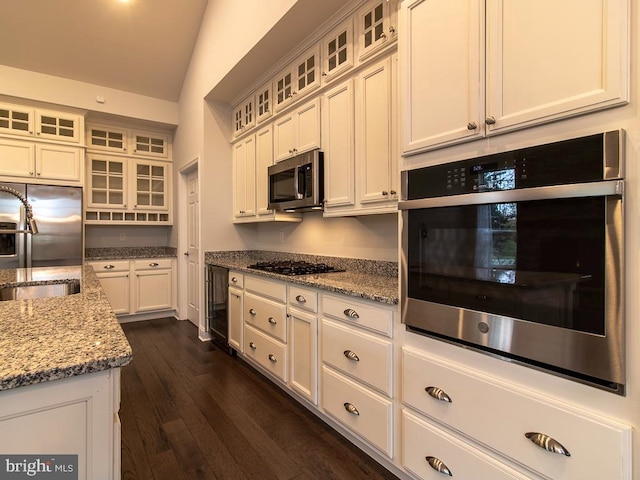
{"points": [[359, 313], [267, 288], [372, 417], [267, 315], [236, 279], [422, 441], [493, 412], [303, 298], [110, 266], [267, 352], [366, 357], [152, 263]]}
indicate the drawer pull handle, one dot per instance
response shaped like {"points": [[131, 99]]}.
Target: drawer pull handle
{"points": [[273, 358], [351, 408], [301, 299], [438, 465], [252, 311], [234, 279], [109, 267], [272, 321], [438, 394], [548, 443], [351, 355], [252, 345], [154, 264], [351, 313]]}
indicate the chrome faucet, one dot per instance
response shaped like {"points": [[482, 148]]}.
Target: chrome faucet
{"points": [[31, 226]]}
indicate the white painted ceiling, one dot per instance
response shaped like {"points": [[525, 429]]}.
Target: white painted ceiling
{"points": [[143, 46]]}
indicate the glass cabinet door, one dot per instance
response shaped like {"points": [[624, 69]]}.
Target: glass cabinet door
{"points": [[107, 182], [151, 186]]}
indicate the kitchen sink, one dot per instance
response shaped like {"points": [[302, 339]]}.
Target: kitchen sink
{"points": [[30, 291]]}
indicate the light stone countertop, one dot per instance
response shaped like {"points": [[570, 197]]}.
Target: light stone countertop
{"points": [[57, 337], [366, 279], [126, 253]]}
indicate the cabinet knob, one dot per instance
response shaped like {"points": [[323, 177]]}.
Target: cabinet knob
{"points": [[438, 465], [351, 408], [351, 355], [383, 35], [272, 358], [392, 192], [186, 254], [392, 29], [351, 313], [272, 321], [472, 126], [252, 346], [324, 74], [109, 267], [301, 299], [154, 264], [31, 174], [438, 394], [547, 443], [490, 120], [234, 279], [252, 311], [385, 193]]}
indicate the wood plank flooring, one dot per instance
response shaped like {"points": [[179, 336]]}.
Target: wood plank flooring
{"points": [[190, 411]]}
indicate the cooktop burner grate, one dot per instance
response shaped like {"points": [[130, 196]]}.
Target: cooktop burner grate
{"points": [[294, 267]]}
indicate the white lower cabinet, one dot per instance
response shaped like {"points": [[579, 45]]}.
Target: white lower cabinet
{"points": [[137, 286], [76, 416], [358, 408], [153, 285], [519, 423], [431, 453], [267, 352], [357, 368], [303, 341], [236, 327]]}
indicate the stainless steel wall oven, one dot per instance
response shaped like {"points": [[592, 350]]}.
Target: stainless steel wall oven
{"points": [[520, 254]]}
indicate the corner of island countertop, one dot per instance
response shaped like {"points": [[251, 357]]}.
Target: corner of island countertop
{"points": [[46, 339]]}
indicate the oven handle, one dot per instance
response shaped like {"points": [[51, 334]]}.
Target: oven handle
{"points": [[593, 189]]}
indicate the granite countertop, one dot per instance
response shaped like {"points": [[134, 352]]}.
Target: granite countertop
{"points": [[125, 253], [50, 338], [367, 279]]}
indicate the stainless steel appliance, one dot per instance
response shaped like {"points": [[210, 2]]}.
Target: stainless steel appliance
{"points": [[520, 254], [217, 306], [288, 267], [57, 240], [297, 183]]}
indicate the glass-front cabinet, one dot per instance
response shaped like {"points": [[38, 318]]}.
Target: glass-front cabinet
{"points": [[151, 185], [107, 182]]}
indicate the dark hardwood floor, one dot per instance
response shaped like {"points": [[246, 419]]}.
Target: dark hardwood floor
{"points": [[190, 411]]}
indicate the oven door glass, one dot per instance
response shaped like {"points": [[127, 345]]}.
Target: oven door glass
{"points": [[542, 261]]}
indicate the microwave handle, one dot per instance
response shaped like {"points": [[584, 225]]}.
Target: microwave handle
{"points": [[296, 180]]}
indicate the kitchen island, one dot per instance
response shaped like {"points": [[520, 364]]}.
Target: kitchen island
{"points": [[60, 359]]}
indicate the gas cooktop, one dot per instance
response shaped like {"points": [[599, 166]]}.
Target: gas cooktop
{"points": [[294, 268]]}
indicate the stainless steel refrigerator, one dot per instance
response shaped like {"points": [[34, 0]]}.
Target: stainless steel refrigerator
{"points": [[58, 213]]}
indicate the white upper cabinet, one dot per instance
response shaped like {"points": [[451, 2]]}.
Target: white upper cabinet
{"points": [[298, 79], [45, 124], [244, 116], [476, 68], [264, 102], [121, 140], [375, 26], [264, 159], [298, 131], [244, 177], [338, 146], [337, 51]]}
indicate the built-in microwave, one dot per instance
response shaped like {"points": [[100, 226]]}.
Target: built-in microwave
{"points": [[297, 183], [520, 255]]}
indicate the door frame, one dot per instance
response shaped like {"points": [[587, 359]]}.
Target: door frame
{"points": [[183, 300]]}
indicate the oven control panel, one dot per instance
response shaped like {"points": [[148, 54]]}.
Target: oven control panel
{"points": [[577, 160]]}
